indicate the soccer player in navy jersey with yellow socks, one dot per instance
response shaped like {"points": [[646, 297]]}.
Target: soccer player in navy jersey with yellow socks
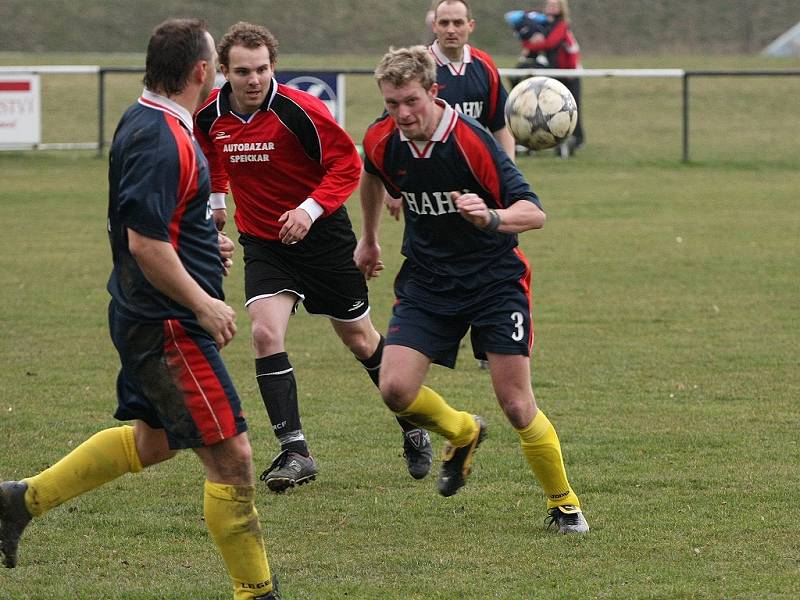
{"points": [[464, 203], [168, 321]]}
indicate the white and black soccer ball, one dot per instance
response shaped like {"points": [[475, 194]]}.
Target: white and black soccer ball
{"points": [[541, 113]]}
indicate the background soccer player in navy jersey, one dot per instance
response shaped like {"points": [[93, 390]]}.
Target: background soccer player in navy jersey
{"points": [[468, 77], [168, 321], [290, 168], [463, 271]]}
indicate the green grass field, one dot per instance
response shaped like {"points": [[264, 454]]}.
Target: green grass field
{"points": [[666, 310]]}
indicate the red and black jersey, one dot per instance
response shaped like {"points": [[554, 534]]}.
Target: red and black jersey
{"points": [[473, 86], [560, 46], [289, 150], [158, 186]]}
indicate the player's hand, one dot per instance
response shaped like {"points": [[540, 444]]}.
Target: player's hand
{"points": [[368, 259], [226, 248], [393, 205], [220, 216], [472, 208], [296, 223], [218, 319]]}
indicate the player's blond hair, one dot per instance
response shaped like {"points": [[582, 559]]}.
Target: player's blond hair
{"points": [[400, 66]]}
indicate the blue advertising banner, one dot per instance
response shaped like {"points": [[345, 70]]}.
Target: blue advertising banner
{"points": [[328, 86]]}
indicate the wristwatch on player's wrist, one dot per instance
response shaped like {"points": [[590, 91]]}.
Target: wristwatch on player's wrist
{"points": [[494, 221]]}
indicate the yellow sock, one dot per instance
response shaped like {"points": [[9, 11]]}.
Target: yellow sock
{"points": [[542, 450], [106, 455], [429, 410], [232, 521]]}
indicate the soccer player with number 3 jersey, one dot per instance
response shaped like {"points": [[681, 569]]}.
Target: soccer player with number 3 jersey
{"points": [[464, 203]]}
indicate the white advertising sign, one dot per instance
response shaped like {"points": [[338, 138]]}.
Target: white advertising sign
{"points": [[20, 111]]}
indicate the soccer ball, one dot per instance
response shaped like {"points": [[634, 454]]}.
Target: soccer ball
{"points": [[541, 113]]}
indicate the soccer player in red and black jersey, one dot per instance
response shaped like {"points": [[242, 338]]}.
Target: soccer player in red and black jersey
{"points": [[290, 168], [168, 321], [464, 203]]}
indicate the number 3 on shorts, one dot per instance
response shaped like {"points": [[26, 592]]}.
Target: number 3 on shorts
{"points": [[519, 321]]}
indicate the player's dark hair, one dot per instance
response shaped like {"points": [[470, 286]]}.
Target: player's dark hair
{"points": [[464, 2], [247, 35], [174, 49]]}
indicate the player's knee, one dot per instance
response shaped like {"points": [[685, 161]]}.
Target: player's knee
{"points": [[396, 396], [360, 346], [265, 337], [360, 337], [240, 449], [519, 409], [229, 461]]}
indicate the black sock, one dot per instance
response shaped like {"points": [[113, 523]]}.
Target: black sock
{"points": [[275, 377], [373, 367], [373, 363]]}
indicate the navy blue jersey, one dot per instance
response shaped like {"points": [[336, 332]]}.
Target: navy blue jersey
{"points": [[159, 186], [445, 252], [473, 87]]}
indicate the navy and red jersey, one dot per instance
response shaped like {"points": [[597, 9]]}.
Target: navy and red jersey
{"points": [[446, 252], [289, 150], [473, 87], [560, 46], [158, 186]]}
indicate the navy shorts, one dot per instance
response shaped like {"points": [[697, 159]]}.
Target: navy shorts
{"points": [[173, 378], [498, 317], [319, 269]]}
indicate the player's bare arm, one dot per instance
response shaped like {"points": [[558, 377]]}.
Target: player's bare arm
{"points": [[161, 265], [296, 224], [520, 216], [367, 255], [506, 141]]}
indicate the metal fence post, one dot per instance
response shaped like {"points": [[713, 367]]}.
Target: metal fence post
{"points": [[101, 105], [686, 117]]}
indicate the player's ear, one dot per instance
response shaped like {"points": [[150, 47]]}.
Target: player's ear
{"points": [[200, 70], [434, 91]]}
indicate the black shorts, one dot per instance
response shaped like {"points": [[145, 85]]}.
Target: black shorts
{"points": [[498, 317], [318, 269], [173, 378]]}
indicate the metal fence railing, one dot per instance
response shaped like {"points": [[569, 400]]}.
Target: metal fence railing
{"points": [[684, 75]]}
